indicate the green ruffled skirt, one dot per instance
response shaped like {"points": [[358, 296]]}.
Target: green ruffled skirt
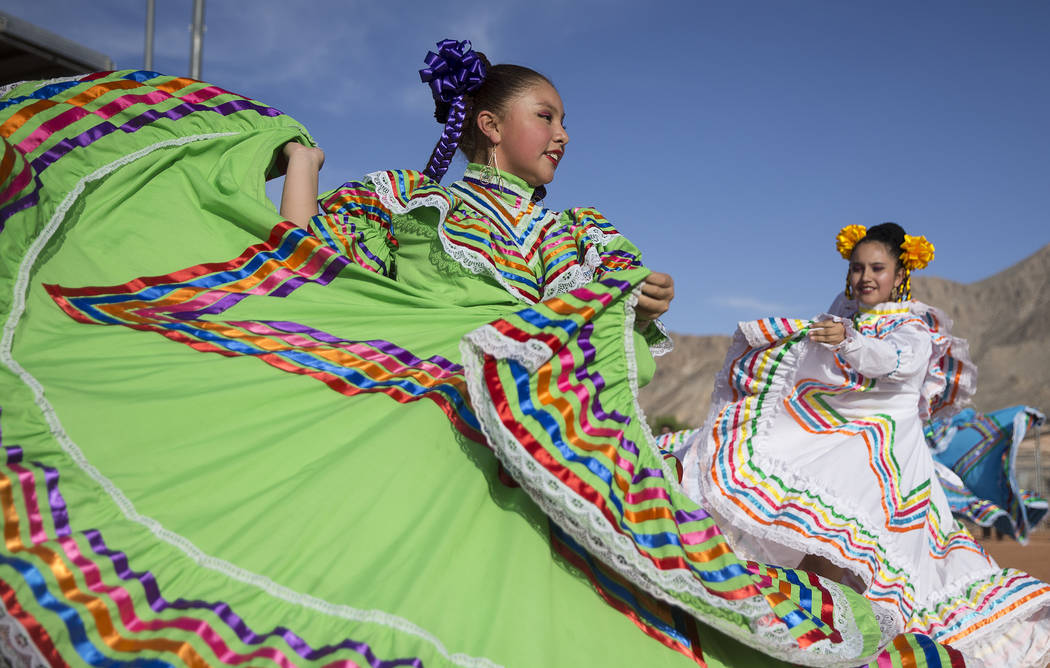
{"points": [[225, 444]]}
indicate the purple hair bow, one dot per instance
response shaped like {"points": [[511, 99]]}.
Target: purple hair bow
{"points": [[453, 71]]}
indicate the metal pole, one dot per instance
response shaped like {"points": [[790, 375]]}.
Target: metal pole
{"points": [[197, 41], [150, 22], [1040, 488]]}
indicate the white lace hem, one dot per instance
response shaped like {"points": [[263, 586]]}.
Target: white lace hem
{"points": [[16, 646], [664, 346], [531, 354], [943, 341]]}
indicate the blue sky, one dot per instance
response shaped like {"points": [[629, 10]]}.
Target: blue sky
{"points": [[729, 140]]}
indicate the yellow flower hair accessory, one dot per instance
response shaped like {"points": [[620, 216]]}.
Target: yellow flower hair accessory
{"points": [[916, 252], [848, 237]]}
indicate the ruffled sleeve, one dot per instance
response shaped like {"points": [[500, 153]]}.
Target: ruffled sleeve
{"points": [[901, 354], [600, 244], [603, 250], [358, 218], [951, 377], [917, 341]]}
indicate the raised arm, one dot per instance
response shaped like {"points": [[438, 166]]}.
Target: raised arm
{"points": [[299, 197]]}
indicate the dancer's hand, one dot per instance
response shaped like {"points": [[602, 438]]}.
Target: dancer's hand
{"points": [[827, 331], [657, 293]]}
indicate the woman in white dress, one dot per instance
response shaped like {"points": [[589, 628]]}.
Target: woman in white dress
{"points": [[813, 455]]}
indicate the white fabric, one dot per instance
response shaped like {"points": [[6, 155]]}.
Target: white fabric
{"points": [[826, 456]]}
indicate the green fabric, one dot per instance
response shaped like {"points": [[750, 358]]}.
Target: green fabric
{"points": [[227, 452], [355, 501], [379, 508]]}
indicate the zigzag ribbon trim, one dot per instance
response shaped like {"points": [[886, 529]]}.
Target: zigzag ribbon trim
{"points": [[57, 119], [109, 624], [175, 306]]}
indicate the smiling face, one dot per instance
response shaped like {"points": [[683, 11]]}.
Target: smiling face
{"points": [[529, 138], [874, 273]]}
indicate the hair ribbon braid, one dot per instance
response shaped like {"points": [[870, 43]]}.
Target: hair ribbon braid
{"points": [[452, 72]]}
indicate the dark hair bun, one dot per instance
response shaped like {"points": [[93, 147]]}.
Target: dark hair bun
{"points": [[890, 234]]}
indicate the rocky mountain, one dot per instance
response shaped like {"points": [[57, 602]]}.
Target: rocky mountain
{"points": [[1005, 318]]}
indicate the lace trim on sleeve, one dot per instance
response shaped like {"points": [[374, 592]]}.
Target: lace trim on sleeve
{"points": [[951, 378], [589, 246], [576, 276], [598, 237], [385, 190]]}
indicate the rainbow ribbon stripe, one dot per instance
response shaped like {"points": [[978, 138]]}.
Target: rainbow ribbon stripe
{"points": [[474, 222], [175, 305], [545, 243], [537, 242], [16, 179], [61, 118], [95, 593]]}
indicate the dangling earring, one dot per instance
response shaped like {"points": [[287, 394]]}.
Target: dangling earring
{"points": [[499, 174], [488, 171]]}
